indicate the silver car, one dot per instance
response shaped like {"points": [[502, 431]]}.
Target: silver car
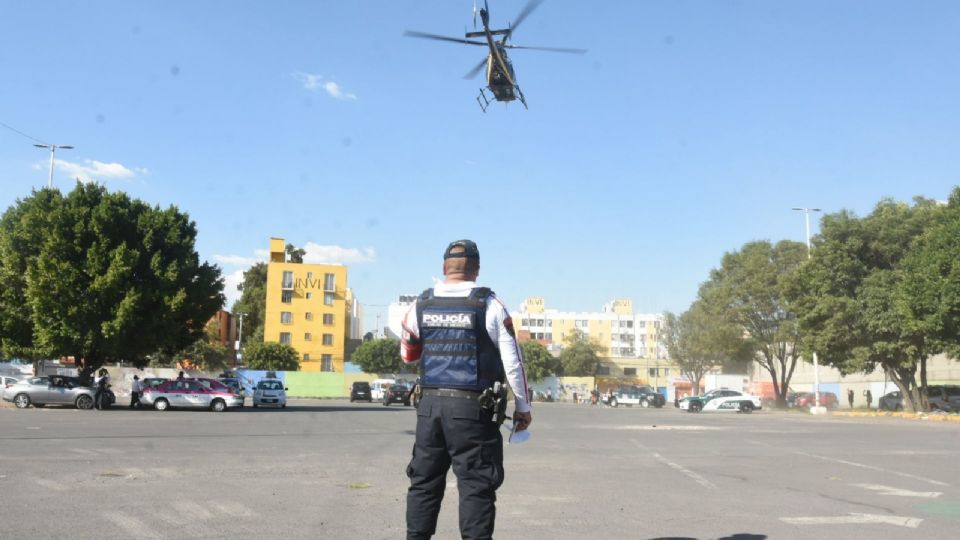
{"points": [[189, 394], [53, 390], [270, 393]]}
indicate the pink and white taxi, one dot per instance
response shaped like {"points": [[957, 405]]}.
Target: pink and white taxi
{"points": [[192, 394]]}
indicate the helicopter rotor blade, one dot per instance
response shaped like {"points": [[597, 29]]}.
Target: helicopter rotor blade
{"points": [[411, 33], [548, 49], [476, 70], [531, 5]]}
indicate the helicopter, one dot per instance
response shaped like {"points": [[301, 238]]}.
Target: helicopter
{"points": [[501, 78]]}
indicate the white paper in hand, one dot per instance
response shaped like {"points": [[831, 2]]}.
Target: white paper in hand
{"points": [[518, 437]]}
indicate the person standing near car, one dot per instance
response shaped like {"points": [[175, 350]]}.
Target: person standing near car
{"points": [[101, 383], [136, 388], [463, 337]]}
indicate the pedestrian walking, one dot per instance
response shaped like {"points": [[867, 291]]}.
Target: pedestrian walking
{"points": [[869, 396], [850, 397], [136, 389], [463, 337]]}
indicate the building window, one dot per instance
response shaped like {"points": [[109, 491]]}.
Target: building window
{"points": [[653, 372], [308, 316], [326, 362], [328, 298], [328, 339], [629, 324], [642, 324], [548, 336], [309, 296], [524, 323], [285, 338], [666, 372], [286, 317], [603, 370], [286, 297], [287, 280], [549, 323], [629, 371], [328, 282], [328, 319], [307, 336], [306, 357]]}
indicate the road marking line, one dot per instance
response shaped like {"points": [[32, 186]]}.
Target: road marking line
{"points": [[50, 484], [677, 467], [232, 508], [887, 490], [855, 519], [873, 468], [132, 525], [192, 510]]}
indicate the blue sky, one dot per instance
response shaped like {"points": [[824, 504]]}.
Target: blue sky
{"points": [[688, 129]]}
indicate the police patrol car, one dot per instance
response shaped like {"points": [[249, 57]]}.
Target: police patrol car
{"points": [[721, 400]]}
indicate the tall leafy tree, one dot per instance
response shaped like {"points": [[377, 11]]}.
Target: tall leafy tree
{"points": [[931, 280], [851, 296], [272, 356], [252, 302], [698, 340], [747, 292], [380, 356], [580, 356], [100, 276], [537, 360]]}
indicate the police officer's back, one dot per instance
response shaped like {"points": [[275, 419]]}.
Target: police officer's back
{"points": [[463, 337]]}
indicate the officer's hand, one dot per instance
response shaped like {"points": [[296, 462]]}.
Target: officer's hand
{"points": [[521, 420]]}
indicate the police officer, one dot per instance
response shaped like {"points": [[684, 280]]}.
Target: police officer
{"points": [[463, 337]]}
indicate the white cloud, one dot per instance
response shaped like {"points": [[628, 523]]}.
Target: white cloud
{"points": [[231, 281], [317, 254], [92, 170], [315, 83], [236, 260]]}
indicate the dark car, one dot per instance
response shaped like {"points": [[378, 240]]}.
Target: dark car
{"points": [[397, 393], [893, 401], [360, 391]]}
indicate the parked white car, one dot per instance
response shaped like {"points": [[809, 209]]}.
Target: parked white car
{"points": [[378, 387], [270, 393]]}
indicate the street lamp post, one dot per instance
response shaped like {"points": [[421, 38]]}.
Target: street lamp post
{"points": [[816, 363], [239, 341], [53, 152]]}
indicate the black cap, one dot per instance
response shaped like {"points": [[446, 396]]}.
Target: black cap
{"points": [[470, 250]]}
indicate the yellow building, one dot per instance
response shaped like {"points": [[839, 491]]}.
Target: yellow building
{"points": [[310, 308], [616, 329]]}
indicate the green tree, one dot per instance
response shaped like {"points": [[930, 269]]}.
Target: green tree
{"points": [[579, 357], [537, 360], [294, 254], [851, 297], [100, 277], [252, 303], [271, 356], [931, 280], [380, 356], [698, 340], [747, 292]]}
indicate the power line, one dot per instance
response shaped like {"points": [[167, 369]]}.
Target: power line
{"points": [[17, 131]]}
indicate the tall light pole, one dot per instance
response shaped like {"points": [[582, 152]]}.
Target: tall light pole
{"points": [[239, 341], [53, 152], [816, 363]]}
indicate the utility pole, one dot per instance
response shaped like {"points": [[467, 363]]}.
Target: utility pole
{"points": [[239, 342], [816, 364], [53, 151]]}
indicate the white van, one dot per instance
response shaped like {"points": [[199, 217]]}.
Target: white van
{"points": [[378, 386]]}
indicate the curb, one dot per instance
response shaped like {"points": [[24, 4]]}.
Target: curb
{"points": [[907, 415]]}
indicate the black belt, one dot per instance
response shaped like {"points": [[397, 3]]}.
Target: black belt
{"points": [[451, 392]]}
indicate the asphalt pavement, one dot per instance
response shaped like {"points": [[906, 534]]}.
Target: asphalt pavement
{"points": [[332, 469]]}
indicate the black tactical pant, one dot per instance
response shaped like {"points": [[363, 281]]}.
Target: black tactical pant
{"points": [[457, 432]]}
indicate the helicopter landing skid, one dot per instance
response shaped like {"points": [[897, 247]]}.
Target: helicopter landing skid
{"points": [[483, 100]]}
